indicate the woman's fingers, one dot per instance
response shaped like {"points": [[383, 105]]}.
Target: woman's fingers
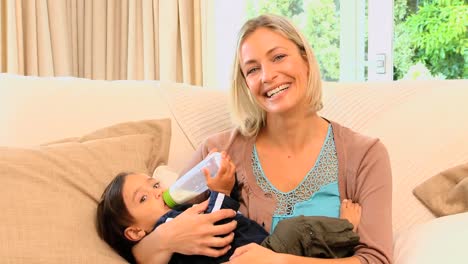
{"points": [[213, 252], [221, 230], [220, 215], [211, 218], [198, 208], [218, 241], [217, 246]]}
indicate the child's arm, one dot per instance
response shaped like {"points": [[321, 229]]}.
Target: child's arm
{"points": [[224, 181]]}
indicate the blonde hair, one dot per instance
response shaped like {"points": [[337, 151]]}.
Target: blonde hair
{"points": [[247, 115]]}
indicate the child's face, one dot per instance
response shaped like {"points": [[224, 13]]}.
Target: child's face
{"points": [[142, 196]]}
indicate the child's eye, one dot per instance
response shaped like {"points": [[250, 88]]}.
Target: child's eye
{"points": [[143, 198], [156, 185]]}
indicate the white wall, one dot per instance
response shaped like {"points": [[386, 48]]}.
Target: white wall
{"points": [[229, 16], [380, 39]]}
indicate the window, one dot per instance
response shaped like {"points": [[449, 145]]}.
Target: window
{"points": [[357, 40], [339, 45]]}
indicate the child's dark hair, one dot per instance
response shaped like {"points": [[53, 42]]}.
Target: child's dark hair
{"points": [[113, 217]]}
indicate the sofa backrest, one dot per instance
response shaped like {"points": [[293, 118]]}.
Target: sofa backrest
{"points": [[422, 123], [35, 110]]}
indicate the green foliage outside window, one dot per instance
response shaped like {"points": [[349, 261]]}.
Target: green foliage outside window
{"points": [[438, 33], [403, 50], [321, 26], [288, 8], [431, 35], [318, 21], [428, 33]]}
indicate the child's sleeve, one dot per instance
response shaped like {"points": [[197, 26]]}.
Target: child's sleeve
{"points": [[221, 201]]}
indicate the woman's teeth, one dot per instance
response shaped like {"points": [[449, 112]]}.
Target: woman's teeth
{"points": [[278, 90]]}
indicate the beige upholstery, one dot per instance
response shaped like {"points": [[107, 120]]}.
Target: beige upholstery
{"points": [[422, 123], [50, 193], [37, 110]]}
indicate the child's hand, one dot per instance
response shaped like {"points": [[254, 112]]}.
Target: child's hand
{"points": [[224, 181], [212, 151]]}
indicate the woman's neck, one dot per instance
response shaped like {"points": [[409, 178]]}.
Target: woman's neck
{"points": [[293, 134]]}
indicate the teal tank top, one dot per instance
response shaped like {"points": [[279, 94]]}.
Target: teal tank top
{"points": [[316, 195]]}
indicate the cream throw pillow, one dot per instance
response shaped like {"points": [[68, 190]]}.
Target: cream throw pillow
{"points": [[445, 193], [441, 240], [165, 175], [50, 193]]}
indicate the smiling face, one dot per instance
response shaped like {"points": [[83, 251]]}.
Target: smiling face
{"points": [[275, 71], [142, 196]]}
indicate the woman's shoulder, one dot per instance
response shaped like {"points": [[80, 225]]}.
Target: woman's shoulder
{"points": [[222, 136], [364, 158], [354, 142], [224, 140]]}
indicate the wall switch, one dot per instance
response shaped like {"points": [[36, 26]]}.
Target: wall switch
{"points": [[380, 63]]}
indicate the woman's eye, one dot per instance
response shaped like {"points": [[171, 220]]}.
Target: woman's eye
{"points": [[156, 185], [279, 57], [143, 198], [252, 70]]}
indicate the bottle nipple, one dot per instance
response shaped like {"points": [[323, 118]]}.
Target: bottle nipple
{"points": [[168, 199]]}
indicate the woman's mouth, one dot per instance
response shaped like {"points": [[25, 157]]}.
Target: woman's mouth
{"points": [[277, 90]]}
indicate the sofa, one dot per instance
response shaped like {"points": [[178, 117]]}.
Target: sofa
{"points": [[62, 139]]}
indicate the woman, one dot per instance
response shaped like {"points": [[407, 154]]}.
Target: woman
{"points": [[289, 160]]}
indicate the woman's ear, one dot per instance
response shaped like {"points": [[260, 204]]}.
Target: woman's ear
{"points": [[133, 233]]}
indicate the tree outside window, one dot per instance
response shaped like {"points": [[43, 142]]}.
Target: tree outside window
{"points": [[319, 22], [431, 39]]}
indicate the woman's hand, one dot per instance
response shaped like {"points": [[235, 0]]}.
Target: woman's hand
{"points": [[190, 233], [254, 253], [194, 233]]}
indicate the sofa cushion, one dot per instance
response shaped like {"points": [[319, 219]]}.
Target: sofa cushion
{"points": [[199, 111], [161, 128], [62, 107], [445, 193], [50, 193], [421, 124], [441, 240], [35, 110]]}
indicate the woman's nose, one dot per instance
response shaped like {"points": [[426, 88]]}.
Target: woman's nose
{"points": [[268, 74]]}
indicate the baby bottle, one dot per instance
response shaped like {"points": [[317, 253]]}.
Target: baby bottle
{"points": [[193, 182]]}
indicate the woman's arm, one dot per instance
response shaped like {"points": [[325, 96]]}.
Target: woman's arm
{"points": [[254, 253], [373, 191], [190, 233]]}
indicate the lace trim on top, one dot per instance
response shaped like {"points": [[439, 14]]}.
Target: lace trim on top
{"points": [[325, 171]]}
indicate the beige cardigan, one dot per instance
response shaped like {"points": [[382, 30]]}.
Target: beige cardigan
{"points": [[364, 176]]}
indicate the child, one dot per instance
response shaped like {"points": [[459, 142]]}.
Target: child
{"points": [[132, 206]]}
